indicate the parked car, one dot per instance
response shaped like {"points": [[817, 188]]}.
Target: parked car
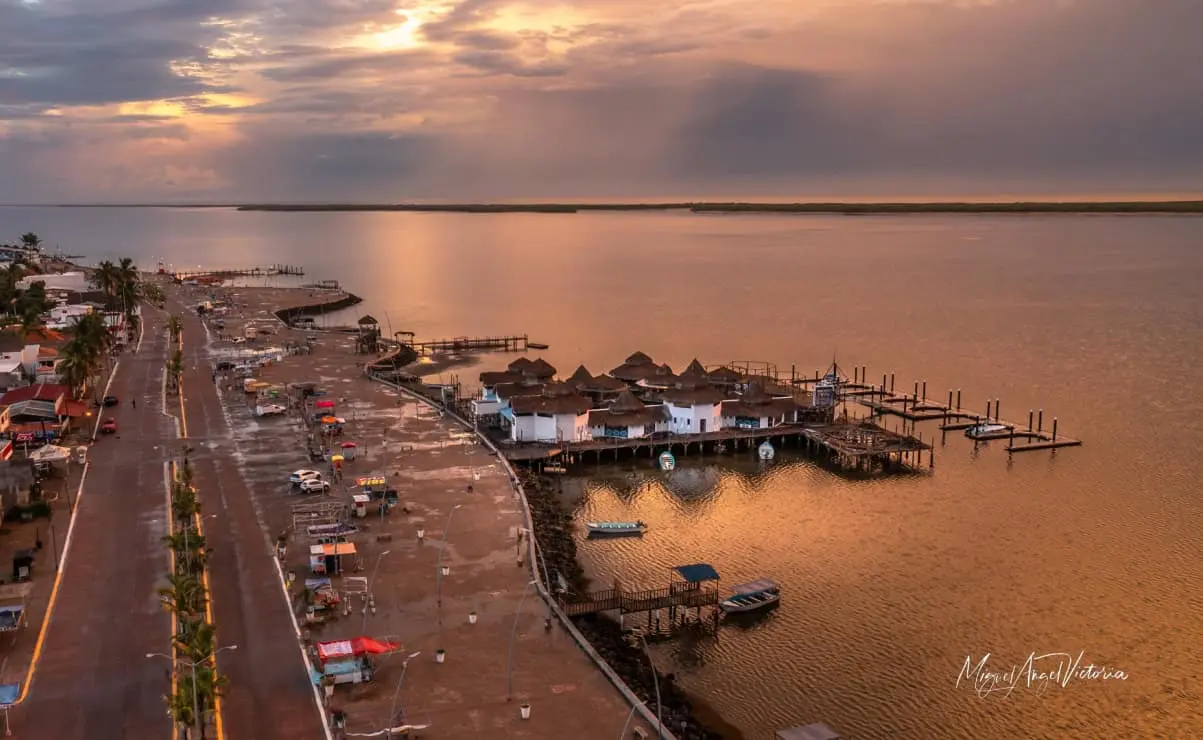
{"points": [[110, 401], [300, 476], [271, 409], [108, 426], [315, 485]]}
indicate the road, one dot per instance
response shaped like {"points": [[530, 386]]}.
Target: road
{"points": [[269, 694], [94, 681]]}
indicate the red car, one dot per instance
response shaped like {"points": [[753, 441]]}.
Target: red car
{"points": [[108, 426]]}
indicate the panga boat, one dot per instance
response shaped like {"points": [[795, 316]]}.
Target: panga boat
{"points": [[616, 528], [985, 429], [766, 451], [747, 597], [667, 461]]}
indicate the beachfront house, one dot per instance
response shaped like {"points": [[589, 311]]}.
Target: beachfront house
{"points": [[558, 414], [756, 409], [693, 404], [627, 418], [60, 283]]}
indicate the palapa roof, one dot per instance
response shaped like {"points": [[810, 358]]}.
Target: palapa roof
{"points": [[540, 368], [515, 390], [724, 375], [638, 358], [627, 410], [754, 402], [570, 403], [696, 396], [366, 319], [519, 365], [580, 377], [604, 383], [491, 378], [556, 390], [694, 370]]}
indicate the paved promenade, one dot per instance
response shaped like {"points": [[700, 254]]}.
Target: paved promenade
{"points": [[437, 468], [269, 695], [93, 680]]}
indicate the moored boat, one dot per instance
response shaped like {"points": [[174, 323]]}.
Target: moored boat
{"points": [[986, 429], [667, 461], [751, 596], [615, 528], [766, 451]]}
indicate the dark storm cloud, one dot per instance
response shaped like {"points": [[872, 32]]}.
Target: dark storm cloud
{"points": [[91, 53]]}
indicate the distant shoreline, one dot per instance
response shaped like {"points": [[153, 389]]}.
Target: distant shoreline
{"points": [[849, 208], [1184, 206]]}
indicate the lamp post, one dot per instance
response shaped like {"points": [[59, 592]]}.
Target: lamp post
{"points": [[546, 579], [192, 664], [438, 579], [656, 683], [371, 584], [392, 713], [509, 662]]}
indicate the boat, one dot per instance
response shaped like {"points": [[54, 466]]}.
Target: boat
{"points": [[985, 429], [765, 451], [616, 528], [747, 597], [667, 461], [536, 345]]}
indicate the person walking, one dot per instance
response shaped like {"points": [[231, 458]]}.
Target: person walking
{"points": [[133, 402]]}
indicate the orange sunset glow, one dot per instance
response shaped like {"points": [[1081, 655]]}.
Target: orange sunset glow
{"points": [[385, 99]]}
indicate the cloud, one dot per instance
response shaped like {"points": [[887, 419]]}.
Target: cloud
{"points": [[385, 99]]}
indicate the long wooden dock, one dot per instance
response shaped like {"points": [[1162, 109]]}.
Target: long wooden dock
{"points": [[269, 271], [915, 407], [510, 343]]}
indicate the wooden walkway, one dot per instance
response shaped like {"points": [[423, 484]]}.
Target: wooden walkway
{"points": [[511, 343], [270, 271], [1021, 438], [630, 602]]}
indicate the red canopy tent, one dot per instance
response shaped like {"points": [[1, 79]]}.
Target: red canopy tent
{"points": [[354, 648], [324, 404]]}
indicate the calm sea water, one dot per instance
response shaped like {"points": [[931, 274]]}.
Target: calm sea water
{"points": [[889, 584]]}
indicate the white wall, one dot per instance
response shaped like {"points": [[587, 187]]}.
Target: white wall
{"points": [[484, 408], [688, 419], [573, 427], [635, 432], [533, 428]]}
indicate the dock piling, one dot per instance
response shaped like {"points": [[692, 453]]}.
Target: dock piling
{"points": [[1054, 429], [1030, 414], [996, 413], [925, 391], [958, 399], [891, 384], [1040, 421]]}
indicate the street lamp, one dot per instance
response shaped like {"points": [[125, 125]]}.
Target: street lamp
{"points": [[438, 583], [546, 573], [193, 663], [392, 713], [371, 585], [509, 663], [656, 683]]}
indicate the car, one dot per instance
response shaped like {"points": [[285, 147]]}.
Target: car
{"points": [[315, 485], [110, 401], [271, 409], [108, 426], [300, 476]]}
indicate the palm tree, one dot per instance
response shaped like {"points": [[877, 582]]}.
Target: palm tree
{"points": [[185, 595], [179, 705], [30, 240], [105, 278], [73, 369], [176, 327], [184, 504]]}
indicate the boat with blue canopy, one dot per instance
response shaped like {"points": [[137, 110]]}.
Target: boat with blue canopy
{"points": [[615, 528], [751, 596]]}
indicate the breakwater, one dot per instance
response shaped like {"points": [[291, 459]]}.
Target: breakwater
{"points": [[553, 531], [289, 315]]}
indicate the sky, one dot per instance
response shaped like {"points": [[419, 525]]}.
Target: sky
{"points": [[393, 100]]}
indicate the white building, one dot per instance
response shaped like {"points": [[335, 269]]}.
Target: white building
{"points": [[74, 282], [559, 414], [694, 410], [627, 418], [755, 409]]}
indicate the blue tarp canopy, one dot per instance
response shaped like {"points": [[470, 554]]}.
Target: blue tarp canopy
{"points": [[9, 693], [697, 573]]}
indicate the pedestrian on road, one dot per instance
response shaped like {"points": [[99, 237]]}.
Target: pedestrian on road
{"points": [[133, 402]]}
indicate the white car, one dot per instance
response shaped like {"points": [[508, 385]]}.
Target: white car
{"points": [[300, 476], [271, 409], [315, 485]]}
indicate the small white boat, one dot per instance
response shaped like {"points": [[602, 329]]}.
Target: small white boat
{"points": [[616, 528], [765, 451], [667, 461], [747, 597], [985, 429]]}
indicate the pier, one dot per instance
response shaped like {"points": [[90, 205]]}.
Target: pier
{"points": [[510, 343], [687, 591], [270, 271]]}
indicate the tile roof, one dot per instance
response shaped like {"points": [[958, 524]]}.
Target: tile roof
{"points": [[39, 392]]}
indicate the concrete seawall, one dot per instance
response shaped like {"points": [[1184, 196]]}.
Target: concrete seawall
{"points": [[288, 315]]}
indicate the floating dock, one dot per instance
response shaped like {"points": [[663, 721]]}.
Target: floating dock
{"points": [[510, 343]]}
